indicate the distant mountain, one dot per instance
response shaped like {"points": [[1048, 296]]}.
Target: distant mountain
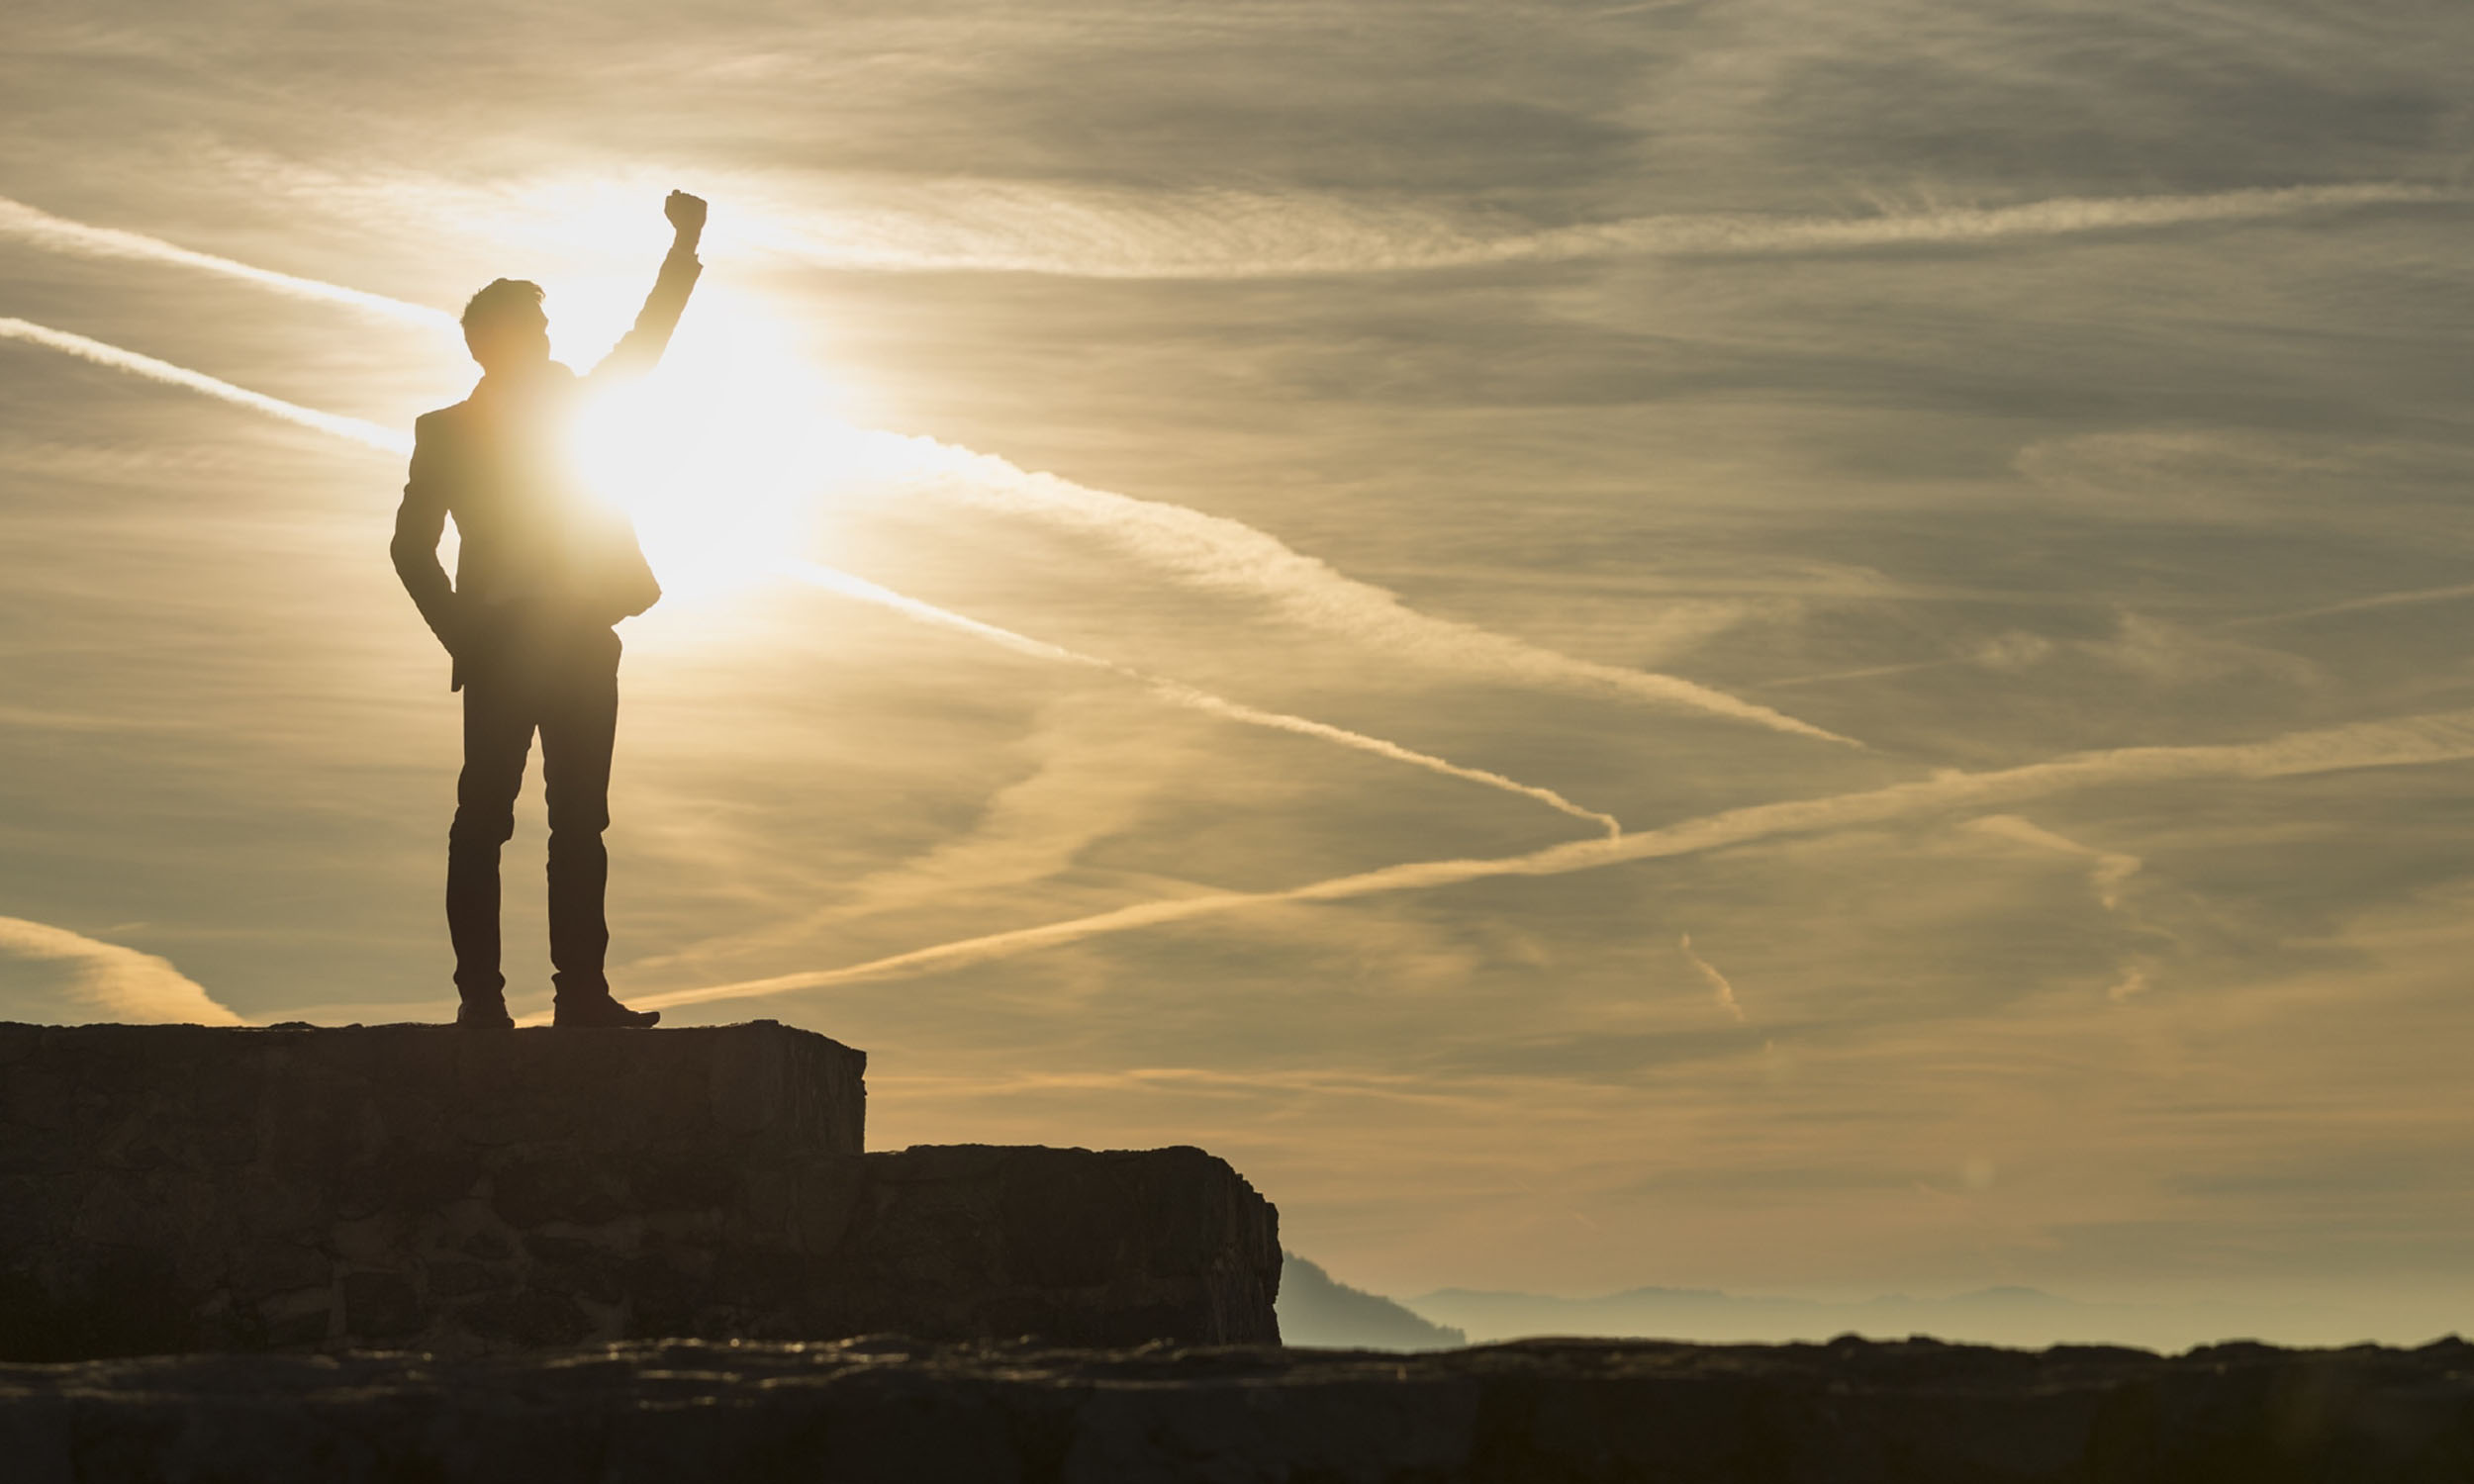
{"points": [[1995, 1316], [1317, 1310]]}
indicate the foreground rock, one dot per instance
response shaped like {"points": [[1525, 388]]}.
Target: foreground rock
{"points": [[1849, 1413], [183, 1188]]}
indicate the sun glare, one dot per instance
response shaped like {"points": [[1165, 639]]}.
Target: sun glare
{"points": [[723, 457]]}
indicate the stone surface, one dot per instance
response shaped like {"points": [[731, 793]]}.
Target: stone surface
{"points": [[1532, 1413], [178, 1189]]}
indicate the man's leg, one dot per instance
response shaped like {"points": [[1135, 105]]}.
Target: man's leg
{"points": [[579, 728], [498, 733]]}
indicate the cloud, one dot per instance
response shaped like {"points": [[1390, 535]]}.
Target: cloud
{"points": [[1209, 550], [2107, 869], [2440, 737], [2414, 598], [353, 430], [2241, 476], [88, 975], [1216, 553], [1178, 692], [845, 584], [1220, 551], [40, 229], [1724, 991], [985, 225], [2107, 873], [877, 223]]}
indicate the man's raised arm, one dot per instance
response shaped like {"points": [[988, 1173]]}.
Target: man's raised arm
{"points": [[640, 350]]}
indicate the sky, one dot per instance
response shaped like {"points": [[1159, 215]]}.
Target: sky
{"points": [[1806, 647]]}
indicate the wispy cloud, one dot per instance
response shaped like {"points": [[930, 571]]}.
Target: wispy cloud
{"points": [[121, 983], [2440, 737], [845, 584], [40, 229], [2414, 598], [2107, 869], [1209, 550], [1216, 553], [368, 434], [1178, 692], [970, 226], [1718, 985]]}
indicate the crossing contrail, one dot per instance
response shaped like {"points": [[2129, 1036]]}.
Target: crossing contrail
{"points": [[1205, 550], [1180, 694], [1215, 553], [832, 580], [2439, 737]]}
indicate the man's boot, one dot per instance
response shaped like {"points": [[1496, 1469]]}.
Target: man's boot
{"points": [[591, 1005], [485, 1013]]}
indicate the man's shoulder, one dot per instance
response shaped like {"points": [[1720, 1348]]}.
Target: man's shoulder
{"points": [[441, 423]]}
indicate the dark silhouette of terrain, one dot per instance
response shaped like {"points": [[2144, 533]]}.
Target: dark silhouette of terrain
{"points": [[1989, 1315], [1572, 1412], [543, 574], [195, 1188]]}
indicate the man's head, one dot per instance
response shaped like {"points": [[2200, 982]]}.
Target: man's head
{"points": [[505, 329]]}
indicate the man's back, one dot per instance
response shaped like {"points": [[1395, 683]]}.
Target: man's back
{"points": [[532, 536], [534, 544]]}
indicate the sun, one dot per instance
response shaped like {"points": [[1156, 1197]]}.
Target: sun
{"points": [[725, 457]]}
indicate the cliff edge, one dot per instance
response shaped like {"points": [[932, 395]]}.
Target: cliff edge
{"points": [[171, 1189]]}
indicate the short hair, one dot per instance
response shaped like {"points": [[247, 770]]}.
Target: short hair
{"points": [[499, 295]]}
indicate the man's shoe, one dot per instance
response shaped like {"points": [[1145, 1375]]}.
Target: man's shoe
{"points": [[485, 1015], [601, 1012]]}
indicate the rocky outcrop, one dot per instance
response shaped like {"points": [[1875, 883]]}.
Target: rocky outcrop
{"points": [[181, 1188], [1847, 1413]]}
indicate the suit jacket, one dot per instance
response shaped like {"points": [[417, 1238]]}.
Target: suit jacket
{"points": [[535, 549]]}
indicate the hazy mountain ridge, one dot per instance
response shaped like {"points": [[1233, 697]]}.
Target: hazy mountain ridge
{"points": [[2009, 1315], [1317, 1309]]}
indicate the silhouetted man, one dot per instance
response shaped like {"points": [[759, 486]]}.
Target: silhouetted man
{"points": [[543, 574]]}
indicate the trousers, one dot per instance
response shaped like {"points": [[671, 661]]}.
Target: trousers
{"points": [[564, 685]]}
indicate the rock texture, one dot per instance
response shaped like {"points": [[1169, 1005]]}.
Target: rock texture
{"points": [[181, 1188], [1532, 1413]]}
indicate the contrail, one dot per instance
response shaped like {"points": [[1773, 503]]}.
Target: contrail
{"points": [[2355, 606], [974, 226], [1217, 553], [2372, 603], [1207, 550], [369, 435], [375, 437], [1180, 694], [1719, 988], [2440, 737], [2108, 869], [2062, 216], [43, 229]]}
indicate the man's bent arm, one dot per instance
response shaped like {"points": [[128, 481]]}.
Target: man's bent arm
{"points": [[639, 351], [418, 524]]}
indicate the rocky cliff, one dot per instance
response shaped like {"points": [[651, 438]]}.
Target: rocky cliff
{"points": [[181, 1188], [1550, 1412]]}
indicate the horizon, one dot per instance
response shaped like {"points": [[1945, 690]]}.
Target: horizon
{"points": [[1767, 647]]}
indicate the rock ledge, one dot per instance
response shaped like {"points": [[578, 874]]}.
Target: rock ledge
{"points": [[891, 1409], [182, 1188]]}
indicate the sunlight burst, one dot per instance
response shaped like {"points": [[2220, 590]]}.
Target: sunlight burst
{"points": [[724, 457]]}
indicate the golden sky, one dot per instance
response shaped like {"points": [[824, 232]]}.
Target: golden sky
{"points": [[1790, 646]]}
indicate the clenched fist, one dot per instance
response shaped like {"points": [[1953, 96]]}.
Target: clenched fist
{"points": [[686, 213]]}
